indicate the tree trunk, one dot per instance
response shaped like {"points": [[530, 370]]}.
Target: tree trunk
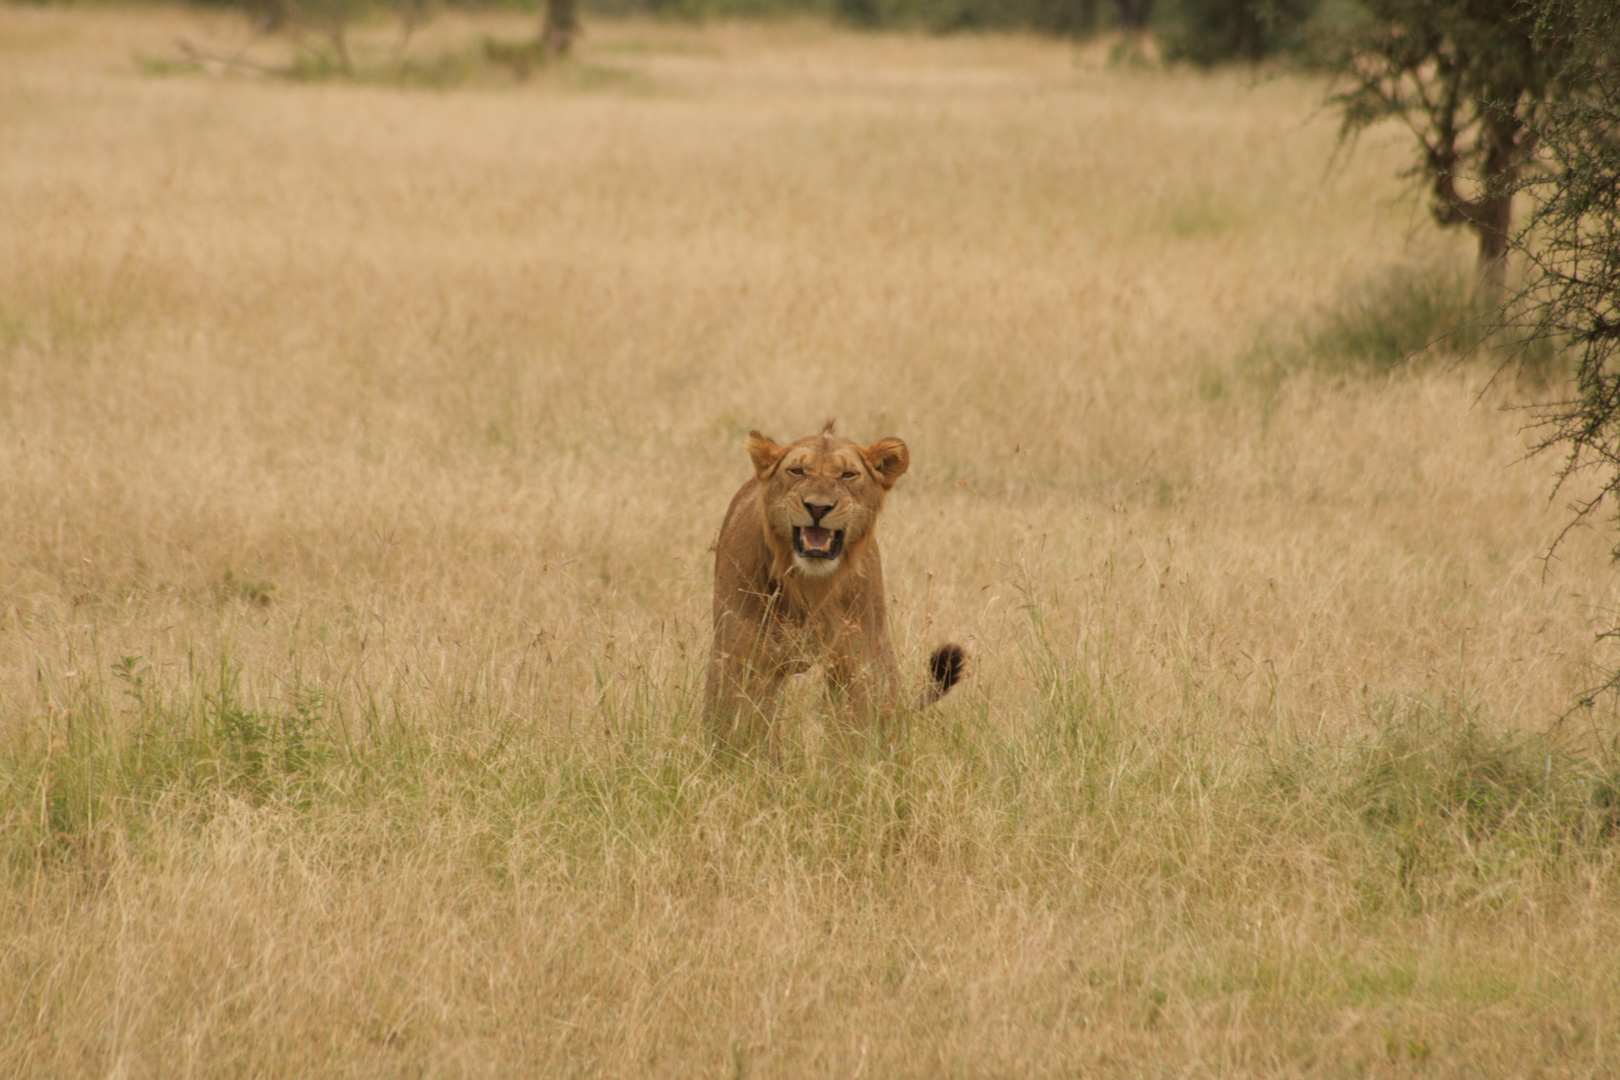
{"points": [[560, 28], [1492, 226], [1493, 219], [1489, 213]]}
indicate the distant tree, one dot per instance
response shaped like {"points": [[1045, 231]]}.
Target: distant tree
{"points": [[1472, 80]]}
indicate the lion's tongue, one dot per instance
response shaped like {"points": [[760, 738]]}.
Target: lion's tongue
{"points": [[816, 539]]}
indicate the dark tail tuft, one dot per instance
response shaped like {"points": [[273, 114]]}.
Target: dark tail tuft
{"points": [[947, 666]]}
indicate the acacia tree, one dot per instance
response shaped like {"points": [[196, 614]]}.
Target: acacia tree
{"points": [[1571, 241], [1471, 79]]}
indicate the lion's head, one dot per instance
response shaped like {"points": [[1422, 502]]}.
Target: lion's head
{"points": [[820, 496]]}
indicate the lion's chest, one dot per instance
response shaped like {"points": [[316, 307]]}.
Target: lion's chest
{"points": [[801, 631]]}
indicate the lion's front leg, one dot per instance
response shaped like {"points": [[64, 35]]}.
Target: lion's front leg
{"points": [[864, 685], [740, 702]]}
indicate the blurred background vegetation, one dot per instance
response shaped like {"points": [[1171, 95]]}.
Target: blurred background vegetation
{"points": [[1204, 32]]}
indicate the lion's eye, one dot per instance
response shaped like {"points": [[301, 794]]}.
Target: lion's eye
{"points": [[849, 476], [796, 472]]}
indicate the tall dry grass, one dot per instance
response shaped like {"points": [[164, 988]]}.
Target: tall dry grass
{"points": [[362, 448]]}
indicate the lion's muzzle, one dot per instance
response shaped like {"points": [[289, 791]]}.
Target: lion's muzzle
{"points": [[814, 542]]}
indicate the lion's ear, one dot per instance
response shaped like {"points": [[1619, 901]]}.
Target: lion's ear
{"points": [[764, 452], [889, 458]]}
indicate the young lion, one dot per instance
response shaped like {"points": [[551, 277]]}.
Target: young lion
{"points": [[798, 580]]}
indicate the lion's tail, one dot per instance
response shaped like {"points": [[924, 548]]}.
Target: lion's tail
{"points": [[945, 669]]}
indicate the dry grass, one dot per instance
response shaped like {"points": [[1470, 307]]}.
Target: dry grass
{"points": [[361, 451]]}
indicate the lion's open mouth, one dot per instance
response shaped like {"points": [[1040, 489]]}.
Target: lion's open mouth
{"points": [[813, 542]]}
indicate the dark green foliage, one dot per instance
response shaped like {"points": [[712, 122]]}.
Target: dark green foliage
{"points": [[1133, 15], [1074, 18], [321, 25], [1208, 32]]}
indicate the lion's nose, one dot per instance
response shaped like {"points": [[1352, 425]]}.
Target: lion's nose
{"points": [[817, 510]]}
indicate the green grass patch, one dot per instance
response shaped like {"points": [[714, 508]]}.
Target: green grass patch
{"points": [[1407, 317], [1436, 807], [1399, 315]]}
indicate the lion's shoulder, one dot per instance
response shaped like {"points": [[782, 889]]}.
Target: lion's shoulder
{"points": [[742, 558]]}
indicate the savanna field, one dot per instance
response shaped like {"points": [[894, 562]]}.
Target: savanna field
{"points": [[361, 447]]}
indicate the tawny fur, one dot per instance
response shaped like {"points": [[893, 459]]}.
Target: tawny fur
{"points": [[778, 609]]}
